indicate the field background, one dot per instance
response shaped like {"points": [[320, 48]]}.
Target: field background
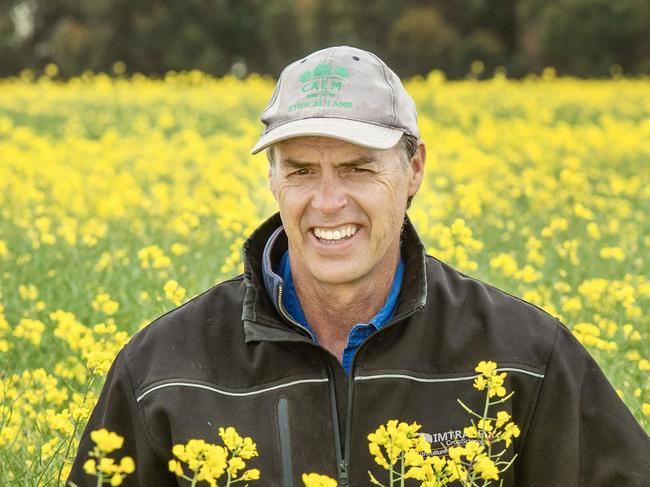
{"points": [[121, 198]]}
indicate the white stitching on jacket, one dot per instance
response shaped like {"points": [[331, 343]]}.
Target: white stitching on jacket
{"points": [[227, 393], [447, 379]]}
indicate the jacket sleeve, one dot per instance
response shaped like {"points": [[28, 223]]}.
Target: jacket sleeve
{"points": [[581, 433], [117, 411]]}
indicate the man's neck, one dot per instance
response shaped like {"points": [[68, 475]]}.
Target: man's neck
{"points": [[332, 310]]}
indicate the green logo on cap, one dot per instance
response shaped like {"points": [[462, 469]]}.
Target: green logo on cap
{"points": [[321, 86]]}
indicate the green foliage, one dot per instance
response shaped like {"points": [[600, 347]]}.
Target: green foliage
{"points": [[578, 37]]}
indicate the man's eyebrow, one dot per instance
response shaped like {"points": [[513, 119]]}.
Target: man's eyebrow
{"points": [[358, 161], [293, 163]]}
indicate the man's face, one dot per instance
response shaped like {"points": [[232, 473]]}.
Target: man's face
{"points": [[342, 206]]}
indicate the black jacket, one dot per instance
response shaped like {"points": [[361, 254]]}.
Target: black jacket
{"points": [[227, 358]]}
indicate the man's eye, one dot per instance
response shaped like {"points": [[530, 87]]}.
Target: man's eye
{"points": [[300, 172], [359, 170]]}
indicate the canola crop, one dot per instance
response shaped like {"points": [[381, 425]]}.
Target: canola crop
{"points": [[121, 198]]}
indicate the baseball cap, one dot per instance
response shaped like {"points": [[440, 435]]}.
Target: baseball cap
{"points": [[340, 92]]}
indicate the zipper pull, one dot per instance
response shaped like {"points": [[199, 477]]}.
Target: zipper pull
{"points": [[343, 473]]}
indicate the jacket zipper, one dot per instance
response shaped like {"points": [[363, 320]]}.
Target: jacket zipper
{"points": [[342, 453], [287, 317], [348, 424], [285, 442], [342, 466]]}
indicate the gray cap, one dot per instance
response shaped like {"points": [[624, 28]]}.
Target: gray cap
{"points": [[340, 92]]}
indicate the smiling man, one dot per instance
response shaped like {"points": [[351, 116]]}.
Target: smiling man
{"points": [[342, 208], [341, 322]]}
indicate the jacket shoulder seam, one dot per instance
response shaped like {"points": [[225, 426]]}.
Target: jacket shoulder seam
{"points": [[533, 409], [141, 415]]}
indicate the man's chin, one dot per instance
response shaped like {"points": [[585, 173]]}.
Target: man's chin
{"points": [[333, 275]]}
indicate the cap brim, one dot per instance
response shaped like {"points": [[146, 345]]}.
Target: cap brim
{"points": [[353, 131]]}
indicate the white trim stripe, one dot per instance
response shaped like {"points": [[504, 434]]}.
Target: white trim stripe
{"points": [[447, 379], [227, 393], [521, 371], [410, 377]]}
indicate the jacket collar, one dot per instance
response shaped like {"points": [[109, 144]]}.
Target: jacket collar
{"points": [[272, 280], [259, 314]]}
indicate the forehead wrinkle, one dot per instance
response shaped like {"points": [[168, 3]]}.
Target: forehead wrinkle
{"points": [[317, 148]]}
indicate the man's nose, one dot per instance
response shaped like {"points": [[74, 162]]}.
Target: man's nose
{"points": [[329, 196]]}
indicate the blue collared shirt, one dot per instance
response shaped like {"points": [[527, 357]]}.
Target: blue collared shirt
{"points": [[359, 332]]}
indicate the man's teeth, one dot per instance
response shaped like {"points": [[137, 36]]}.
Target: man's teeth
{"points": [[335, 233]]}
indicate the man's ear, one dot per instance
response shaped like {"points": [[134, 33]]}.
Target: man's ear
{"points": [[417, 168]]}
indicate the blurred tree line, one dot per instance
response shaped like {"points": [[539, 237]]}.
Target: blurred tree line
{"points": [[577, 37]]}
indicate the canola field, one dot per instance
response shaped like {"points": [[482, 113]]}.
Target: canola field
{"points": [[121, 198]]}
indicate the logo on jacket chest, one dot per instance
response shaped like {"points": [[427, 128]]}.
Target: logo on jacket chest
{"points": [[442, 441]]}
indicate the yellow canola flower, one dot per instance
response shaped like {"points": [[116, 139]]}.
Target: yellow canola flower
{"points": [[510, 431], [106, 441], [528, 274], [4, 250], [31, 330], [98, 345], [486, 368], [505, 263], [593, 231], [174, 292], [105, 304], [252, 474], [179, 249], [455, 465], [317, 480], [62, 422], [90, 466], [429, 471], [614, 253], [558, 224], [392, 440], [104, 467], [490, 379], [571, 305], [502, 418], [242, 447], [206, 460], [48, 449], [152, 257], [486, 468], [589, 335], [28, 292]]}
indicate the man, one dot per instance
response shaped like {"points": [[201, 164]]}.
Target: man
{"points": [[340, 321]]}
